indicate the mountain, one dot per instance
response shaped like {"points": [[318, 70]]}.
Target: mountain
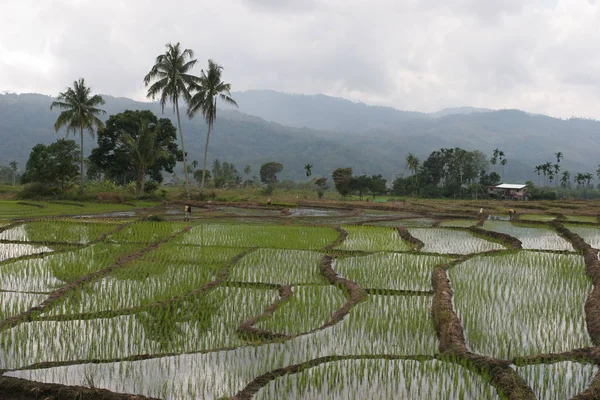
{"points": [[458, 110], [329, 133], [320, 112], [26, 120]]}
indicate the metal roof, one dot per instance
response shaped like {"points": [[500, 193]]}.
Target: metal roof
{"points": [[510, 186]]}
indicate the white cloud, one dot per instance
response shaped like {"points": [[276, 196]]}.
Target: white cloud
{"points": [[537, 55]]}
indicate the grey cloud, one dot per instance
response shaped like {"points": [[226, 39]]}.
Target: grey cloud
{"points": [[281, 5], [418, 55]]}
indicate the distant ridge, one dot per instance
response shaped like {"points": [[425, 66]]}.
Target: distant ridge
{"points": [[328, 133]]}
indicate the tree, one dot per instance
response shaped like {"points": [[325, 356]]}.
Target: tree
{"points": [[172, 80], [377, 184], [565, 180], [413, 164], [208, 89], [52, 165], [321, 186], [359, 184], [144, 149], [269, 171], [114, 158], [248, 172], [342, 178], [225, 174], [80, 112], [13, 167], [308, 169]]}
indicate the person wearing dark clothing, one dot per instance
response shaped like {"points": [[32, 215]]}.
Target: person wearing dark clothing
{"points": [[187, 212]]}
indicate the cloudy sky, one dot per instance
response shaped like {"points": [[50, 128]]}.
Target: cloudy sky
{"points": [[542, 56]]}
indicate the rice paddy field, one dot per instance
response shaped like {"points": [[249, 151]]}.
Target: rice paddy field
{"points": [[306, 303]]}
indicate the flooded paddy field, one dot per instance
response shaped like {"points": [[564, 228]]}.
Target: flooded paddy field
{"points": [[256, 303]]}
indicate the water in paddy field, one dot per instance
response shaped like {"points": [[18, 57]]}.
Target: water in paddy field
{"points": [[314, 212], [13, 250]]}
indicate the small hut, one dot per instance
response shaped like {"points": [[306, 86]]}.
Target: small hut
{"points": [[508, 191]]}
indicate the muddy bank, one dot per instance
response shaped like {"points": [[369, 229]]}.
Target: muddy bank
{"points": [[258, 383], [248, 331], [510, 241], [449, 330], [416, 244], [20, 389]]}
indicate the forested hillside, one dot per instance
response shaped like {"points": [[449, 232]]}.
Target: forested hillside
{"points": [[337, 133]]}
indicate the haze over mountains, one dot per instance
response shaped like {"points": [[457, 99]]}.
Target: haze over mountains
{"points": [[329, 132]]}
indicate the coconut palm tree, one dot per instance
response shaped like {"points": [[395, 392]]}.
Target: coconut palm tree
{"points": [[14, 167], [80, 112], [412, 163], [209, 88], [308, 169], [172, 81]]}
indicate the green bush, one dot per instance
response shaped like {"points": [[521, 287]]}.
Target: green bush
{"points": [[38, 191]]}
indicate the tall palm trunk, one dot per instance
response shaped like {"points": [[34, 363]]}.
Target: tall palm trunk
{"points": [[205, 156], [210, 124], [185, 170], [81, 161]]}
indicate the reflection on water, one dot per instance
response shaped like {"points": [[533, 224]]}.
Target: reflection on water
{"points": [[12, 250]]}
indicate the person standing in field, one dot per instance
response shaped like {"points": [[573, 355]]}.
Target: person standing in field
{"points": [[187, 210], [511, 214]]}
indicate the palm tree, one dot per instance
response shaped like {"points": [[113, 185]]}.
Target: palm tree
{"points": [[412, 163], [565, 181], [172, 80], [209, 87], [14, 168], [308, 169], [80, 112], [144, 150]]}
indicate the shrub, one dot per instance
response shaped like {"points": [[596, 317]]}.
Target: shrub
{"points": [[110, 197], [38, 190]]}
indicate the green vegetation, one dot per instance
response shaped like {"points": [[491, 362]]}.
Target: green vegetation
{"points": [[523, 303], [370, 238], [203, 308]]}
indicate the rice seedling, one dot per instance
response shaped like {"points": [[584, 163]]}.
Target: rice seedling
{"points": [[459, 223], [394, 271], [380, 379], [590, 235], [448, 241], [536, 217], [561, 380], [245, 211], [49, 273], [382, 324], [532, 237], [522, 303], [52, 231], [17, 209], [279, 267], [378, 325], [314, 212], [14, 250], [13, 303], [146, 232], [146, 281], [309, 308], [369, 238], [408, 223], [207, 321], [267, 236]]}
